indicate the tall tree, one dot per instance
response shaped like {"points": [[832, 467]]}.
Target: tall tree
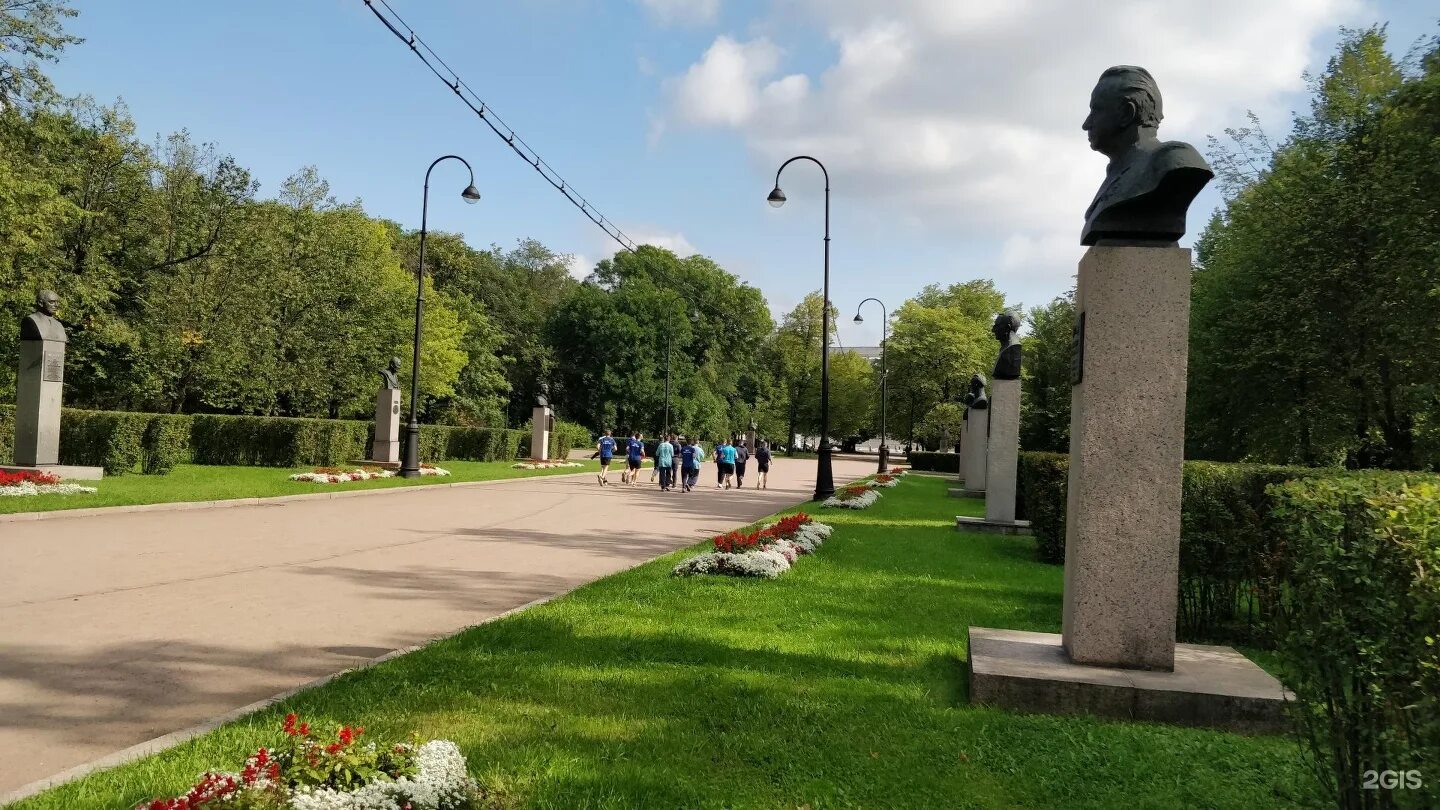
{"points": [[31, 32], [1045, 418]]}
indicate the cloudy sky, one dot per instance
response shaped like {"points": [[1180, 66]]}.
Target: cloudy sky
{"points": [[950, 127]]}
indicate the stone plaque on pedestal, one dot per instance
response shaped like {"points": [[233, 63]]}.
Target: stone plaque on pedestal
{"points": [[1002, 451], [1127, 443], [386, 449]]}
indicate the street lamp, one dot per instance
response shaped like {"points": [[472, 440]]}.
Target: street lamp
{"points": [[824, 476], [884, 375], [410, 465]]}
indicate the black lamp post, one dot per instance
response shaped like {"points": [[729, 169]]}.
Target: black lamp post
{"points": [[410, 465], [884, 375], [824, 477]]}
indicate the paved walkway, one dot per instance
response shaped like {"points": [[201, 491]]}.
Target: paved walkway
{"points": [[117, 629]]}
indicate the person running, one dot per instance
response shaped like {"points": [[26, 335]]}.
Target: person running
{"points": [[676, 442], [742, 455], [725, 453], [762, 464], [607, 454], [635, 457], [690, 458], [664, 458]]}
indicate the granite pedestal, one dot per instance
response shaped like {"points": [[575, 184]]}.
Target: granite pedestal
{"points": [[385, 451], [39, 391], [540, 433], [987, 526], [964, 440], [973, 451], [1213, 687], [1002, 455], [1127, 442]]}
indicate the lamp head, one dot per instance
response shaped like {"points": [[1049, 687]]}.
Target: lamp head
{"points": [[471, 194], [776, 198], [859, 319]]}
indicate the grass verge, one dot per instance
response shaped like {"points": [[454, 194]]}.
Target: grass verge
{"points": [[841, 684], [193, 482]]}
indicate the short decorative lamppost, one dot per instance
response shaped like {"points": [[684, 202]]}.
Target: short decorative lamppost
{"points": [[410, 464], [824, 476], [884, 375]]}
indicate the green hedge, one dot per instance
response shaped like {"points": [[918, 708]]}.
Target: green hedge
{"points": [[166, 443], [442, 443], [565, 437], [263, 441], [1359, 629], [935, 462], [1040, 499], [7, 434]]}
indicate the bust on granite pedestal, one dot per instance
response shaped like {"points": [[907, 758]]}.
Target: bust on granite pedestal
{"points": [[1002, 450], [977, 437], [385, 449], [39, 391], [542, 422], [1117, 654]]}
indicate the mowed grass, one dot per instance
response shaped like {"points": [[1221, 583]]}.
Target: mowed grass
{"points": [[193, 482], [842, 684]]}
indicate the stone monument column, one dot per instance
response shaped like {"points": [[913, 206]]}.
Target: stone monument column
{"points": [[1002, 457], [40, 384], [977, 439], [386, 447], [964, 442], [1127, 443], [540, 422]]}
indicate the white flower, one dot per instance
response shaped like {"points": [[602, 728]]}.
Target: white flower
{"points": [[27, 488], [862, 501], [440, 783]]}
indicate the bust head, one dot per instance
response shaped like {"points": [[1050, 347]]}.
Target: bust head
{"points": [[977, 385], [48, 302], [394, 365], [1006, 325], [1125, 102]]}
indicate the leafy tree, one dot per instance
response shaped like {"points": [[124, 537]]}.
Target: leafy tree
{"points": [[31, 32], [1045, 418], [940, 429]]}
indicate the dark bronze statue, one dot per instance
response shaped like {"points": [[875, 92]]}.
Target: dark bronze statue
{"points": [[542, 395], [42, 324], [1006, 329], [390, 375], [1149, 184], [978, 401]]}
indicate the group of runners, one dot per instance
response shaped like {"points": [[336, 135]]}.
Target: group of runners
{"points": [[678, 459]]}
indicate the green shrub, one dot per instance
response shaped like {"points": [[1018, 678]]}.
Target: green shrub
{"points": [[441, 443], [109, 439], [1043, 478], [1358, 628], [266, 441], [165, 444], [7, 434], [568, 436], [934, 462]]}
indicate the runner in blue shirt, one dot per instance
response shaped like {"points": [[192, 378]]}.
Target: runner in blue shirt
{"points": [[607, 453], [690, 458], [634, 458], [725, 457]]}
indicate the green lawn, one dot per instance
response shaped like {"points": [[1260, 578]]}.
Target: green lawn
{"points": [[192, 482], [842, 684]]}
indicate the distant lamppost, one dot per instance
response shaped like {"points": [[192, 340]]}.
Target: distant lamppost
{"points": [[884, 375], [824, 476], [410, 465]]}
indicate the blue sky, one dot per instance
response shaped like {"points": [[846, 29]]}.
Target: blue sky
{"points": [[951, 128]]}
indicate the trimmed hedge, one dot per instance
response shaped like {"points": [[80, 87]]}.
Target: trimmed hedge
{"points": [[565, 437], [1040, 499], [264, 441], [935, 462], [1358, 628]]}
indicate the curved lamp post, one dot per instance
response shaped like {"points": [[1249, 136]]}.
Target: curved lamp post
{"points": [[884, 376], [410, 465], [824, 477]]}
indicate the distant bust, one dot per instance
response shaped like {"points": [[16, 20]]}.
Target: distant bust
{"points": [[390, 375], [1007, 365], [542, 396], [977, 391], [42, 324], [1149, 184]]}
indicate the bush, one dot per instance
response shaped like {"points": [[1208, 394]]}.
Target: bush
{"points": [[442, 443], [7, 434], [1357, 629], [265, 441], [109, 439], [568, 436], [935, 462], [165, 444], [1043, 479]]}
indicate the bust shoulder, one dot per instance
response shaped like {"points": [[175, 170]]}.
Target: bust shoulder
{"points": [[39, 326]]}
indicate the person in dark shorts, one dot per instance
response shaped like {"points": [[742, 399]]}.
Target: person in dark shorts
{"points": [[742, 455], [607, 454], [725, 463], [762, 465], [676, 442], [634, 459]]}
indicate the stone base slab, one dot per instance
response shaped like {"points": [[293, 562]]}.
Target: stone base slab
{"points": [[966, 493], [384, 465], [65, 472], [1212, 687], [975, 524]]}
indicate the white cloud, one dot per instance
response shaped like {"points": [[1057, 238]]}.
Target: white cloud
{"points": [[683, 12], [674, 241], [964, 117], [580, 266]]}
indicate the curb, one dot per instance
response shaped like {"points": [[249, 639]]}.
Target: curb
{"points": [[185, 506]]}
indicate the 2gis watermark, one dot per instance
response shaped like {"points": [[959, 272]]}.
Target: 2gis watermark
{"points": [[1391, 780]]}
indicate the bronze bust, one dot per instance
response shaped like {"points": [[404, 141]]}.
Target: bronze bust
{"points": [[978, 401], [390, 375], [42, 324], [1007, 365], [542, 396], [1149, 184]]}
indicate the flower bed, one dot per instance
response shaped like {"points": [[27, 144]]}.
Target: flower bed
{"points": [[885, 481], [305, 773], [766, 553], [855, 496], [337, 475], [25, 483], [544, 465]]}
